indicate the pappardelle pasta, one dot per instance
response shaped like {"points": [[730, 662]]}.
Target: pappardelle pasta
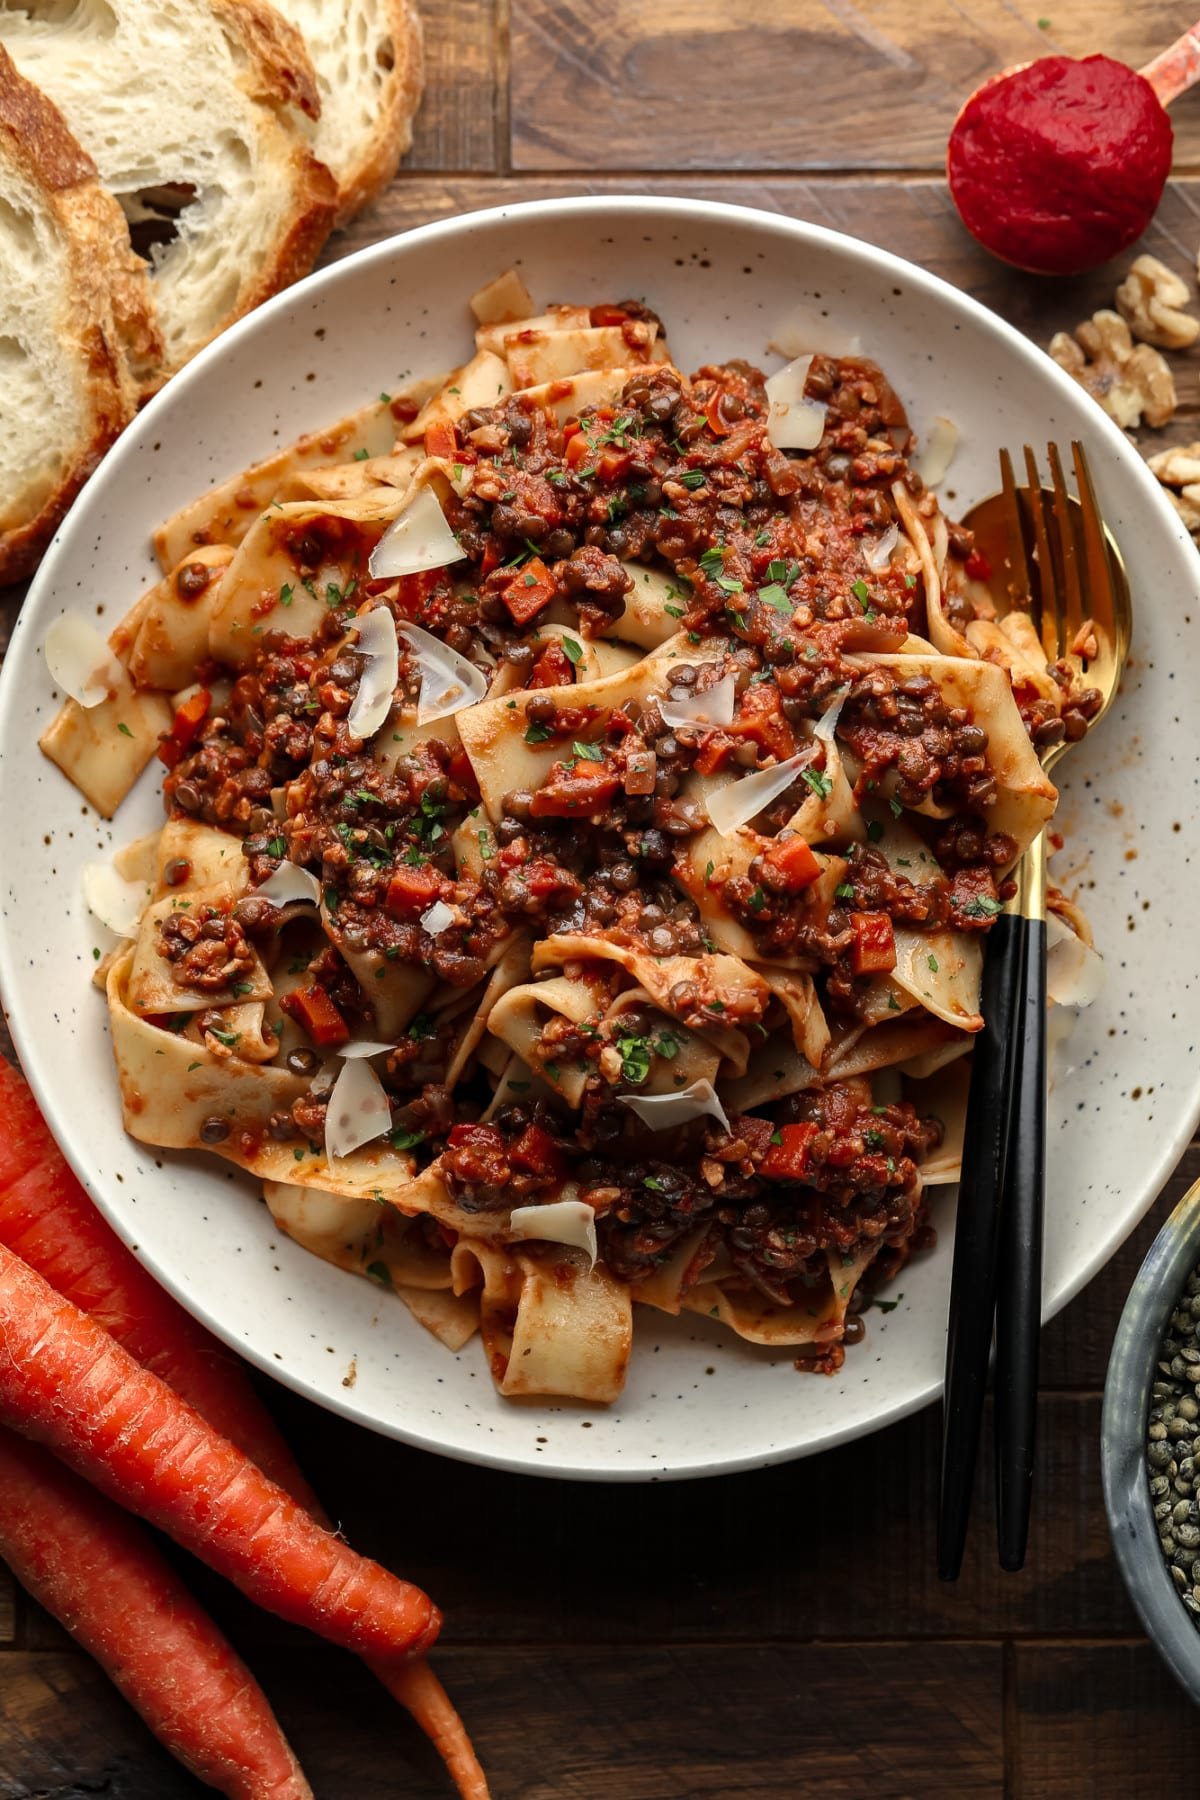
{"points": [[588, 791]]}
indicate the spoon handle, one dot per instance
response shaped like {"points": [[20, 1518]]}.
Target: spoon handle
{"points": [[1177, 68]]}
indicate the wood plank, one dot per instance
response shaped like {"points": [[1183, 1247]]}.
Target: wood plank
{"points": [[1104, 1719], [801, 84], [765, 1723], [461, 124], [838, 1546]]}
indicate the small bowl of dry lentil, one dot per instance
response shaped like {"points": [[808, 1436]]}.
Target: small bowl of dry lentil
{"points": [[1150, 1443]]}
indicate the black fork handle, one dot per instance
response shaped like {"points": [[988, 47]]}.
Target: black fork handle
{"points": [[1019, 1294], [975, 1269]]}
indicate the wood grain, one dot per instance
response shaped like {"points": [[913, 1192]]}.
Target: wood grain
{"points": [[799, 84], [765, 1722], [1102, 1719], [461, 124]]}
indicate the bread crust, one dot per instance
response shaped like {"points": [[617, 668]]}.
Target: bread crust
{"points": [[392, 135], [35, 139], [281, 67]]}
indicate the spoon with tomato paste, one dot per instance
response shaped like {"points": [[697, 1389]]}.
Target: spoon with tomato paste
{"points": [[1057, 165]]}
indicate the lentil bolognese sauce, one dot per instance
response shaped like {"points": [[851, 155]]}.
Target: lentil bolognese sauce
{"points": [[588, 790]]}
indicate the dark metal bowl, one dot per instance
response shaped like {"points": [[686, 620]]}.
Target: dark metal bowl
{"points": [[1131, 1372]]}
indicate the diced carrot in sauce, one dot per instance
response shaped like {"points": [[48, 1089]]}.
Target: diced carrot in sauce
{"points": [[607, 314], [316, 1014], [531, 588], [795, 862], [577, 451], [552, 668], [441, 439], [536, 1152], [185, 727], [873, 951], [760, 717], [575, 791], [462, 775], [412, 889], [414, 591], [613, 463], [713, 754], [788, 1159]]}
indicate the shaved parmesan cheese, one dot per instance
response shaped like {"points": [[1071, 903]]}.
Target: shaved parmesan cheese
{"points": [[878, 553], [80, 661], [377, 688], [793, 422], [322, 1081], [1074, 971], [938, 454], [363, 1048], [739, 801], [288, 884], [435, 918], [806, 329], [448, 681], [116, 902], [570, 1222], [358, 1109], [418, 539], [713, 707], [661, 1111]]}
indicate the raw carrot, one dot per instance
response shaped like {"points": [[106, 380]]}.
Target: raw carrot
{"points": [[49, 1221], [99, 1574], [66, 1383]]}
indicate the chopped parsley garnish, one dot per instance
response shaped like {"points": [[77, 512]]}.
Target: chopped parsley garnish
{"points": [[932, 961], [773, 595], [361, 455], [982, 906], [572, 651], [421, 1028], [124, 730], [405, 1140], [820, 784], [896, 807], [588, 752], [536, 734], [277, 847], [285, 594], [861, 592], [713, 559], [693, 478], [635, 1058], [844, 890], [874, 831]]}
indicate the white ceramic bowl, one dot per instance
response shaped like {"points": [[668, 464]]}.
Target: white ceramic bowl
{"points": [[1126, 1094]]}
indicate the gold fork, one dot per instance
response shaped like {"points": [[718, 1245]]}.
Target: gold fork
{"points": [[1049, 554]]}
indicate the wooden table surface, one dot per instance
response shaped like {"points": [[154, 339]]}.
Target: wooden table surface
{"points": [[781, 1633]]}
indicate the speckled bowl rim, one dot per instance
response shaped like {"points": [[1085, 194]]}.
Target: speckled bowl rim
{"points": [[47, 1082], [1131, 1367]]}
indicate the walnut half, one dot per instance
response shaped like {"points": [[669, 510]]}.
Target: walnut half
{"points": [[1179, 472], [1130, 381], [1150, 300]]}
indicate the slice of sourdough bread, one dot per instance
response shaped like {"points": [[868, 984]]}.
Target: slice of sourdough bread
{"points": [[369, 61], [66, 271], [190, 108]]}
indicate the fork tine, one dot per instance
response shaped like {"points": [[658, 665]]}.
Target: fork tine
{"points": [[1070, 534], [1045, 594], [1020, 585], [1099, 573]]}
